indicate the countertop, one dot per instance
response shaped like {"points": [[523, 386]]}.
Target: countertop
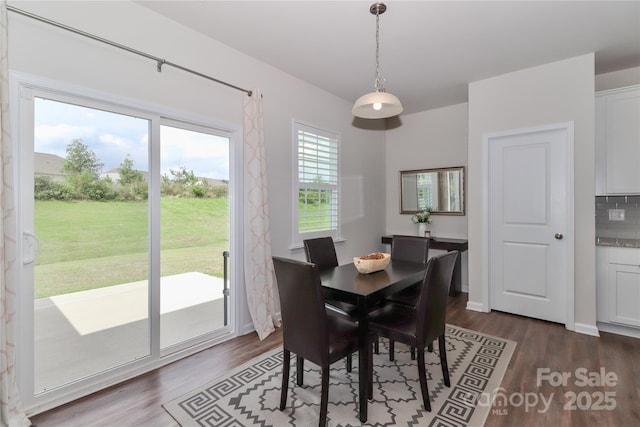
{"points": [[620, 243]]}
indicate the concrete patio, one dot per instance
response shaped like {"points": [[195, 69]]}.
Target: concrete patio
{"points": [[83, 333]]}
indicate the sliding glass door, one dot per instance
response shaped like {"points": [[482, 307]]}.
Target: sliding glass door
{"points": [[91, 218], [124, 217], [194, 231]]}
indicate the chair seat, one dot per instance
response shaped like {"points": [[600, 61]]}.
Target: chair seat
{"points": [[396, 322], [343, 336], [407, 296], [343, 308]]}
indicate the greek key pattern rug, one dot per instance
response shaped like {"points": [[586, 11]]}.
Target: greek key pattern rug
{"points": [[250, 394]]}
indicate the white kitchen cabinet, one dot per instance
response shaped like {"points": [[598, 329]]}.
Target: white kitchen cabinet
{"points": [[618, 141], [618, 285], [624, 294]]}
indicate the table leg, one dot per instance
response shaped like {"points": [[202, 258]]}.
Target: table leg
{"points": [[363, 359]]}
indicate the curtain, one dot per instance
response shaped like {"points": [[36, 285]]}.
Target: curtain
{"points": [[258, 266], [11, 409]]}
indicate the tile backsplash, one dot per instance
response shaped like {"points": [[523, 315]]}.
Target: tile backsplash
{"points": [[629, 228]]}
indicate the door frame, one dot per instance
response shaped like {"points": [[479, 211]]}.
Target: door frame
{"points": [[569, 235]]}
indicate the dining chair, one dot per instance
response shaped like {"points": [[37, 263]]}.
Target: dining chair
{"points": [[411, 249], [309, 330], [419, 327], [322, 252]]}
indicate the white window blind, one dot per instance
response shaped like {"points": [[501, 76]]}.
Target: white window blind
{"points": [[317, 183]]}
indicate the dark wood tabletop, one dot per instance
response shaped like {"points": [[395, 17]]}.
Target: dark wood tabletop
{"points": [[347, 284]]}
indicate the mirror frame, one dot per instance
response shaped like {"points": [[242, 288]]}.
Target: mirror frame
{"points": [[435, 212]]}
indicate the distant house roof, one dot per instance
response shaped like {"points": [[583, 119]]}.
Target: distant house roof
{"points": [[114, 174], [50, 165]]}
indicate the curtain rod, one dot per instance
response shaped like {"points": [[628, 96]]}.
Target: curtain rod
{"points": [[160, 62]]}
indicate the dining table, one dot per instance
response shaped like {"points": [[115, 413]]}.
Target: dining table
{"points": [[366, 291]]}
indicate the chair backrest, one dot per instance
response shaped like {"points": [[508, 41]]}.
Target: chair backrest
{"points": [[304, 327], [321, 252], [410, 248], [432, 305]]}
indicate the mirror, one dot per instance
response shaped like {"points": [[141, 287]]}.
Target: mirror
{"points": [[440, 189]]}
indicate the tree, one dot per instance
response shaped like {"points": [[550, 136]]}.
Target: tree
{"points": [[82, 169], [80, 159], [128, 175]]}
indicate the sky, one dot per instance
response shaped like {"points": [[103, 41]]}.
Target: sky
{"points": [[113, 137]]}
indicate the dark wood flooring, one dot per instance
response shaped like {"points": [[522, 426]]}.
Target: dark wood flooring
{"points": [[540, 345]]}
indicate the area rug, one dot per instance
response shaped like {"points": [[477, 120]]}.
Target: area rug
{"points": [[250, 394]]}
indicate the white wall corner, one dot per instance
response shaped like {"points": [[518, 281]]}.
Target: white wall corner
{"points": [[476, 306], [583, 328]]}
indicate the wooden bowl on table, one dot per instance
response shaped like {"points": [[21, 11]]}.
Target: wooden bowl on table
{"points": [[371, 263]]}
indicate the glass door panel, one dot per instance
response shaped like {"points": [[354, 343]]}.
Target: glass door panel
{"points": [[194, 233], [91, 291]]}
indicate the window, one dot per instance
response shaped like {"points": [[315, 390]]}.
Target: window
{"points": [[316, 178], [425, 191]]}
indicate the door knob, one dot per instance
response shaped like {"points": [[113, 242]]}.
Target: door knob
{"points": [[558, 236]]}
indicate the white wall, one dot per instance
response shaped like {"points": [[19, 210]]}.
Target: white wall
{"points": [[616, 79], [553, 93], [429, 139], [45, 51]]}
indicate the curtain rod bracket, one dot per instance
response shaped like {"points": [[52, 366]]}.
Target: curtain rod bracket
{"points": [[161, 62]]}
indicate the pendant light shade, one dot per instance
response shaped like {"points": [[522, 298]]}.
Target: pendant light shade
{"points": [[378, 104]]}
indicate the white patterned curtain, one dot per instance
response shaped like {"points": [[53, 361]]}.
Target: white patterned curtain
{"points": [[11, 409], [258, 266]]}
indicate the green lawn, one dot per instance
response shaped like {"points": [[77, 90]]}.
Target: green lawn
{"points": [[87, 245]]}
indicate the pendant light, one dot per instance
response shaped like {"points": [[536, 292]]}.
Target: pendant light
{"points": [[379, 104]]}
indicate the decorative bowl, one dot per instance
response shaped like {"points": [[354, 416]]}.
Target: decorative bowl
{"points": [[371, 263]]}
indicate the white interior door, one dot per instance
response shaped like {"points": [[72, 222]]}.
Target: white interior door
{"points": [[528, 223]]}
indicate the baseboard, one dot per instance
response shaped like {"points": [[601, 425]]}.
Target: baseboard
{"points": [[249, 328], [475, 306], [583, 328], [619, 329]]}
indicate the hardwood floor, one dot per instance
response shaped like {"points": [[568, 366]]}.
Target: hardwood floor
{"points": [[540, 345]]}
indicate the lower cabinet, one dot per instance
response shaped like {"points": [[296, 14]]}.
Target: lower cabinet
{"points": [[624, 294], [618, 282]]}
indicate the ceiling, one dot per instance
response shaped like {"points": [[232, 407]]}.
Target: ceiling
{"points": [[429, 50]]}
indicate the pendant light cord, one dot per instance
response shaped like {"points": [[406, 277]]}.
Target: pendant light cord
{"points": [[379, 83]]}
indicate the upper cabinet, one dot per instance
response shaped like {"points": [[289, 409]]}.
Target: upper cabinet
{"points": [[618, 141]]}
